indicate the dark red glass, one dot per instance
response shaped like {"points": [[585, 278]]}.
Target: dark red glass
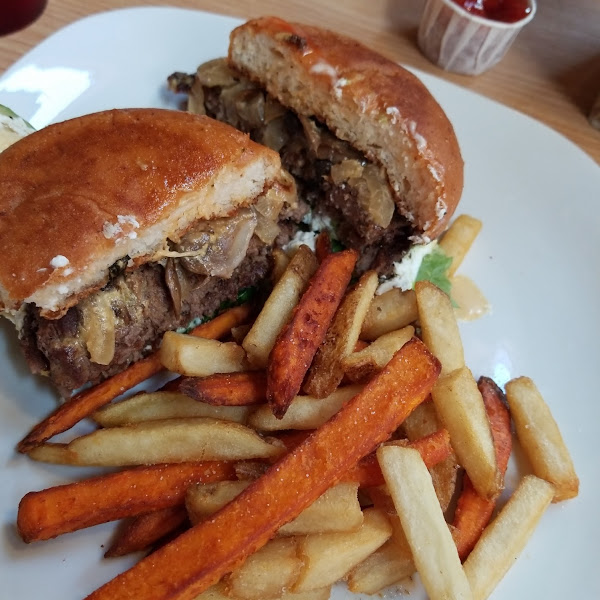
{"points": [[507, 11], [17, 14]]}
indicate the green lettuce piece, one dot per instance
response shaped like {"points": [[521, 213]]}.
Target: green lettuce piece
{"points": [[434, 267]]}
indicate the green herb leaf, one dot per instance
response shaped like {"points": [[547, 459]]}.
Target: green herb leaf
{"points": [[434, 267]]}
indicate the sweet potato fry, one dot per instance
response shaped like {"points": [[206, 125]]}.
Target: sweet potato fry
{"points": [[48, 513], [433, 448], [200, 557], [85, 403], [299, 340], [141, 532], [327, 369], [473, 512], [227, 389], [278, 307], [322, 245]]}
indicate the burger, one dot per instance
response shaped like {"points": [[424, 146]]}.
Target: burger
{"points": [[120, 225], [375, 158]]}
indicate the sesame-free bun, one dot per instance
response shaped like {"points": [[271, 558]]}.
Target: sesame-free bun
{"points": [[80, 195], [373, 103]]}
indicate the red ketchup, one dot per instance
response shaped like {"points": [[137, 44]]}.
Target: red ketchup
{"points": [[507, 11], [17, 14]]}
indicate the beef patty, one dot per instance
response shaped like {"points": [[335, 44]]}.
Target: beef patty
{"points": [[143, 308]]}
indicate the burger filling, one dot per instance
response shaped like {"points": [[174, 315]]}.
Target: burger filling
{"points": [[336, 180], [189, 281]]}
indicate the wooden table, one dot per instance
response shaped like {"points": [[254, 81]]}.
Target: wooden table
{"points": [[552, 72]]}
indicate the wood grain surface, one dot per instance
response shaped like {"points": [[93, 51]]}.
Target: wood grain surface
{"points": [[551, 73]]}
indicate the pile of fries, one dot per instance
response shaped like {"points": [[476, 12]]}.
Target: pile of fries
{"points": [[317, 442]]}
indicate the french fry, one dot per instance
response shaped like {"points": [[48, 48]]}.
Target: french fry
{"points": [[305, 412], [228, 389], [384, 567], [85, 403], [363, 364], [423, 523], [439, 329], [153, 442], [280, 262], [202, 501], [240, 332], [48, 513], [198, 558], [164, 405], [143, 531], [337, 509], [250, 469], [390, 311], [267, 573], [421, 423], [327, 369], [504, 539], [219, 592], [328, 557], [322, 245], [278, 307], [540, 438], [458, 239], [460, 407], [473, 512], [200, 357], [298, 342]]}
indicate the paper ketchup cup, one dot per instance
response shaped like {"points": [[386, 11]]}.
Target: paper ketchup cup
{"points": [[463, 42]]}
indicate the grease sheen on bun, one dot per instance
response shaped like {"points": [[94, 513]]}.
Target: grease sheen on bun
{"points": [[80, 195], [373, 103]]}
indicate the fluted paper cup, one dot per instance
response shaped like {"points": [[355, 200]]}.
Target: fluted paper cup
{"points": [[456, 40]]}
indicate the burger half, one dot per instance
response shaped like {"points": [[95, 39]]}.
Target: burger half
{"points": [[118, 226], [375, 158]]}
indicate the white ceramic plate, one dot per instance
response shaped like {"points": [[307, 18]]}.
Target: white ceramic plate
{"points": [[537, 260]]}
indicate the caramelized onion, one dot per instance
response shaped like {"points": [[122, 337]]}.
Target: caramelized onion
{"points": [[346, 170], [275, 134], [98, 329], [266, 229], [374, 195], [178, 284], [217, 247], [195, 103], [250, 106], [216, 73]]}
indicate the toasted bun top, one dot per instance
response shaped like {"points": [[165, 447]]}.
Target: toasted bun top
{"points": [[79, 195], [365, 99]]}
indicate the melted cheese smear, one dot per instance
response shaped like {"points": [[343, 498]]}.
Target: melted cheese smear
{"points": [[472, 304]]}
